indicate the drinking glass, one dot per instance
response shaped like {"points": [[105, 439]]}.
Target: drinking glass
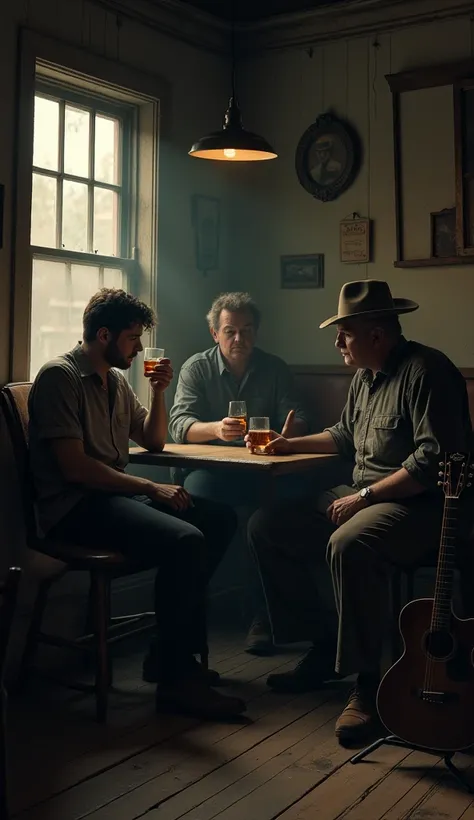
{"points": [[151, 358], [259, 434], [238, 410]]}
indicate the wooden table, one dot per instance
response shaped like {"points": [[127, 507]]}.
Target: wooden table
{"points": [[218, 457]]}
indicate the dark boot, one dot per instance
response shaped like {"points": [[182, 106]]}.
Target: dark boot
{"points": [[152, 673], [194, 697]]}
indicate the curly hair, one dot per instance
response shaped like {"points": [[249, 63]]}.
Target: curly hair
{"points": [[117, 311], [236, 302]]}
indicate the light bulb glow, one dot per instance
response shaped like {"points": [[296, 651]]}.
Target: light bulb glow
{"points": [[229, 153]]}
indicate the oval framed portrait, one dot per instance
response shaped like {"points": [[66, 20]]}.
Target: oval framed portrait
{"points": [[327, 158]]}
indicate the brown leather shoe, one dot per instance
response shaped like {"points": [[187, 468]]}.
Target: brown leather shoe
{"points": [[195, 698], [358, 716]]}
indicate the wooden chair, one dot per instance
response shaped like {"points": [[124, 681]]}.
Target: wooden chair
{"points": [[8, 598], [102, 565]]}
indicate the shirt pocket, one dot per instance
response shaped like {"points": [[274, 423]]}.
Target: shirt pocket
{"points": [[388, 444], [123, 420]]}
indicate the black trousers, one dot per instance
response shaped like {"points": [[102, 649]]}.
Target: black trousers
{"points": [[185, 547]]}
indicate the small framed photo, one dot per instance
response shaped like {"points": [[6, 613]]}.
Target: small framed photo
{"points": [[443, 233], [303, 271]]}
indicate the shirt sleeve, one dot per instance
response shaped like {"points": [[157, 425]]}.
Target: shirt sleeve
{"points": [[343, 431], [439, 409], [55, 408], [138, 414], [287, 397], [189, 404]]}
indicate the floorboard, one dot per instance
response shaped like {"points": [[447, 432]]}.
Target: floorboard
{"points": [[281, 761]]}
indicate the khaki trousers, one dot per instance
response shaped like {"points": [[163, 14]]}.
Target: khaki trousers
{"points": [[291, 542]]}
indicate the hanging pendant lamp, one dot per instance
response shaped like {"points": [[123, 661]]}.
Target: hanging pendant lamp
{"points": [[233, 143]]}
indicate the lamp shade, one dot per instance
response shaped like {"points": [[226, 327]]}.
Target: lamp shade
{"points": [[233, 143]]}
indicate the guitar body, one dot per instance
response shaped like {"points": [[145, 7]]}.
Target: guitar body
{"points": [[427, 697]]}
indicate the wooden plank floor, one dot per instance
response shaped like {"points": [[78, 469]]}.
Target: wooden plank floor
{"points": [[282, 761]]}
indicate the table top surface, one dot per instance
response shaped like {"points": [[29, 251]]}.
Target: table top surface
{"points": [[185, 455]]}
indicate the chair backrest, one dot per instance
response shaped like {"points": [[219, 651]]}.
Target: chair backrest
{"points": [[8, 599], [14, 404]]}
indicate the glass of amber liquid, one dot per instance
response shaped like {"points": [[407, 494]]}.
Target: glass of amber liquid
{"points": [[151, 358], [238, 410], [259, 434]]}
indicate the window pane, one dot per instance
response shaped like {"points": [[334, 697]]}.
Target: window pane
{"points": [[43, 211], [114, 278], [59, 297], [105, 222], [76, 141], [46, 134], [107, 131], [48, 327], [84, 283], [75, 211]]}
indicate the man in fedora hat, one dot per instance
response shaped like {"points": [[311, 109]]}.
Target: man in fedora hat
{"points": [[407, 405]]}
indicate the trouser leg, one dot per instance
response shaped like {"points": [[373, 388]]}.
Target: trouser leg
{"points": [[361, 554], [149, 538]]}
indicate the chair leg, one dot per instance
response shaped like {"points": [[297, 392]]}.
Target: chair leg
{"points": [[31, 643], [101, 595], [4, 815]]}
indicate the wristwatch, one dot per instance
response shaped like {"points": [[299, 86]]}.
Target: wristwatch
{"points": [[365, 493]]}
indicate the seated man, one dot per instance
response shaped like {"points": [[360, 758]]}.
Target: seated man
{"points": [[82, 414], [233, 370], [407, 405]]}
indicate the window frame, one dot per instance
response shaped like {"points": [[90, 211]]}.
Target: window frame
{"points": [[63, 94], [43, 56]]}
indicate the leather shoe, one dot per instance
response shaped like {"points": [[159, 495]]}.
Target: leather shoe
{"points": [[195, 698], [151, 671], [358, 717]]}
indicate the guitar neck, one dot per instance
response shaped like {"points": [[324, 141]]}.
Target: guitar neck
{"points": [[446, 565]]}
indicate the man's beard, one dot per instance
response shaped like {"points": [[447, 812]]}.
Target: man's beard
{"points": [[113, 356]]}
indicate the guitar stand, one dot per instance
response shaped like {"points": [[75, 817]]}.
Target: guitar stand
{"points": [[393, 740]]}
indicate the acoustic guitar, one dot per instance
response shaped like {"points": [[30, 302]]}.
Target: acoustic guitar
{"points": [[427, 697]]}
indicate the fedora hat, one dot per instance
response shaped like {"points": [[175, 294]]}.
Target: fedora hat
{"points": [[365, 298]]}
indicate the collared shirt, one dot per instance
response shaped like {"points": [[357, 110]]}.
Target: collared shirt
{"points": [[68, 400], [205, 388], [408, 416]]}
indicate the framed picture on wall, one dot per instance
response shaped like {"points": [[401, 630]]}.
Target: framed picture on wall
{"points": [[302, 271], [443, 233], [205, 213], [328, 157]]}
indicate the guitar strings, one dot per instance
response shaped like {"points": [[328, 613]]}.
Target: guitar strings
{"points": [[430, 667]]}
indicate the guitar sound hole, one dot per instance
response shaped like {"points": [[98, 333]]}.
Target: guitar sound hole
{"points": [[439, 645]]}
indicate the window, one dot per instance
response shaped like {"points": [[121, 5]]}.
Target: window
{"points": [[81, 212]]}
